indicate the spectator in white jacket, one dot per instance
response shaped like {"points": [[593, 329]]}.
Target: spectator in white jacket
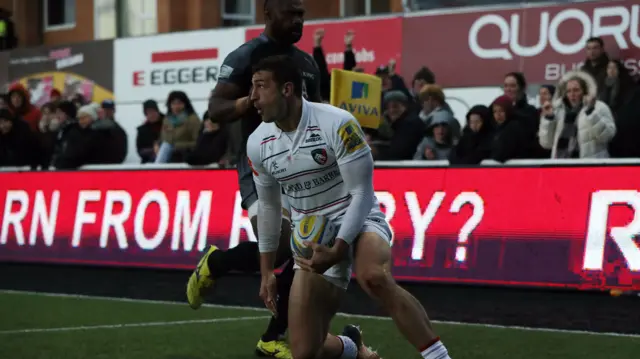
{"points": [[575, 124]]}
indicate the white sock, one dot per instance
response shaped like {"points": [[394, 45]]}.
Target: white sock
{"points": [[436, 351], [349, 348]]}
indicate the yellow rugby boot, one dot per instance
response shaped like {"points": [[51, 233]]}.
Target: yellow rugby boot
{"points": [[200, 280], [275, 349]]}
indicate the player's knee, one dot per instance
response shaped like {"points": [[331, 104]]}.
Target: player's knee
{"points": [[304, 351], [375, 279]]}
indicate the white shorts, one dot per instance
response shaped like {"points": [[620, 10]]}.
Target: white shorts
{"points": [[286, 210], [340, 274]]}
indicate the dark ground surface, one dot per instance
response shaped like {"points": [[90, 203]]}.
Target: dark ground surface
{"points": [[504, 306]]}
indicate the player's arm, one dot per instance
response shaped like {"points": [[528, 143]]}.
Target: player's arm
{"points": [[356, 167], [227, 102], [315, 93], [269, 209]]}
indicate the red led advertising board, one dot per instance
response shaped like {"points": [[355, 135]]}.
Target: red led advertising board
{"points": [[574, 227]]}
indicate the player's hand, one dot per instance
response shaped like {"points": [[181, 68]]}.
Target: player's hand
{"points": [[547, 109], [589, 101], [318, 36], [322, 259], [429, 154], [269, 293]]}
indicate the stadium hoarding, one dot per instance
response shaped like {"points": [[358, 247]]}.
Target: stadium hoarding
{"points": [[151, 67], [370, 46], [543, 41], [83, 68], [566, 227]]}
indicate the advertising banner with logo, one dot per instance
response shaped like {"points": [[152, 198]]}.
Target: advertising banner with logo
{"points": [[151, 67], [374, 43], [574, 227], [82, 68], [544, 42], [359, 94]]}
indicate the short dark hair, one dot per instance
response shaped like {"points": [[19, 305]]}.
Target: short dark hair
{"points": [[283, 69], [425, 74], [596, 39], [520, 79]]}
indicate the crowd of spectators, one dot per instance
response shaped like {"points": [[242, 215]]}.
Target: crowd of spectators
{"points": [[593, 112], [63, 134]]}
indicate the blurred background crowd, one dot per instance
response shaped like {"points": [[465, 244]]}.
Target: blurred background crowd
{"points": [[590, 113]]}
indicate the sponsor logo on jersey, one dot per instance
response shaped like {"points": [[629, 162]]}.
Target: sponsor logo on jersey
{"points": [[313, 138], [276, 170], [351, 137], [320, 156]]}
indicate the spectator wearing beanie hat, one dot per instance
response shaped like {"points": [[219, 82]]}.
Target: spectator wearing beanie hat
{"points": [[407, 128], [149, 131], [87, 115], [55, 96], [509, 141]]}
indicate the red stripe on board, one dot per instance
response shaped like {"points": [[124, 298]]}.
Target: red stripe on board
{"points": [[184, 55]]}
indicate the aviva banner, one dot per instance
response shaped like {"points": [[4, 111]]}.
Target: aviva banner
{"points": [[359, 94]]}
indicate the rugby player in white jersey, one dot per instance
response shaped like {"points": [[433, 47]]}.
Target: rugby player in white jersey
{"points": [[317, 154]]}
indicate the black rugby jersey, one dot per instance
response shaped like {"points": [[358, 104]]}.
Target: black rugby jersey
{"points": [[237, 69]]}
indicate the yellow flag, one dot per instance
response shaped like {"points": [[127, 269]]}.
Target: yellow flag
{"points": [[359, 94]]}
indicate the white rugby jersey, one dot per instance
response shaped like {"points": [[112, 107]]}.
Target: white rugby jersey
{"points": [[305, 162]]}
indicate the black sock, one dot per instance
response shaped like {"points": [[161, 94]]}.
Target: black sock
{"points": [[278, 325], [242, 258]]}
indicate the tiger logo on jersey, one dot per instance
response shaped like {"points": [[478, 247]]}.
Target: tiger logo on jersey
{"points": [[351, 136], [320, 156]]}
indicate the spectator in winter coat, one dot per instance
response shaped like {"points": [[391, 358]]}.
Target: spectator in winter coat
{"points": [[407, 128], [149, 131], [91, 142], [18, 144], [509, 135], [120, 141], [476, 140], [433, 103], [515, 86], [20, 105], [211, 145], [180, 129], [438, 142], [576, 124], [618, 88], [48, 127], [597, 61], [66, 114], [623, 97]]}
